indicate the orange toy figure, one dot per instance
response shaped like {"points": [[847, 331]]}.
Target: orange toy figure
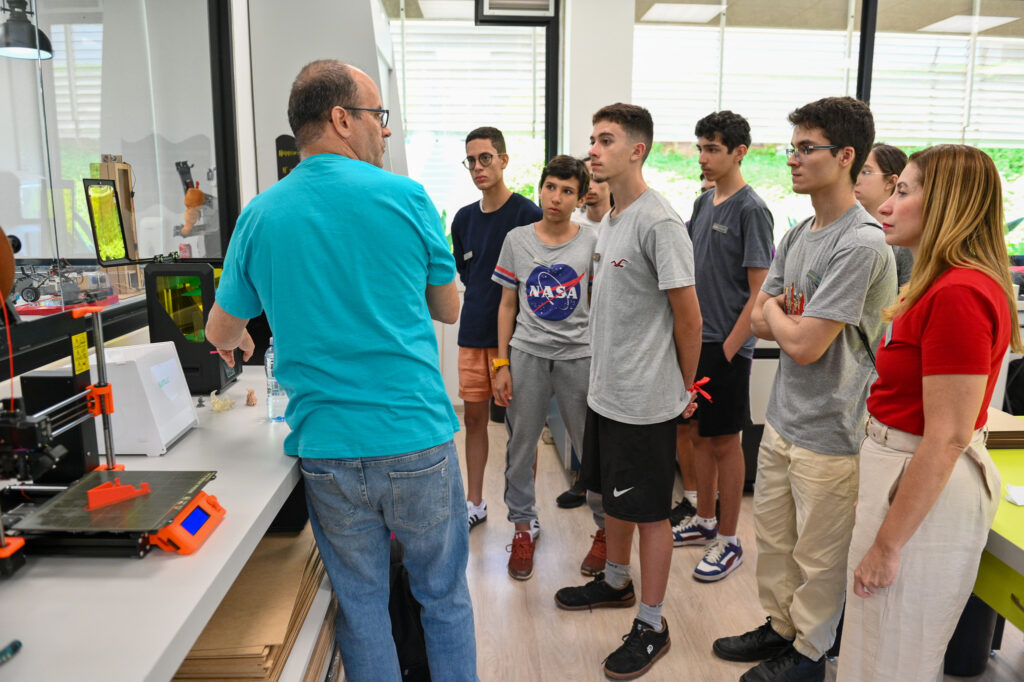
{"points": [[194, 198]]}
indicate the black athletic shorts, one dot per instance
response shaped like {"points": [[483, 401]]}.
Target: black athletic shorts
{"points": [[633, 466], [729, 388]]}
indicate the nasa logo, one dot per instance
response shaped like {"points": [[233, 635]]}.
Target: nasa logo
{"points": [[553, 292]]}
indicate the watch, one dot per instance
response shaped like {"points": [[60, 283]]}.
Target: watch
{"points": [[498, 363]]}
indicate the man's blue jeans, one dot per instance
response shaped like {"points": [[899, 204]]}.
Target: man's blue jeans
{"points": [[354, 505]]}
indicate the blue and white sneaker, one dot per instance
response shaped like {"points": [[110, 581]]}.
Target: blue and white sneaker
{"points": [[720, 559], [690, 532]]}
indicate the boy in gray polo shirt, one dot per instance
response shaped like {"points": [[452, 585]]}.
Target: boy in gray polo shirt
{"points": [[546, 271], [731, 229], [645, 334], [822, 301]]}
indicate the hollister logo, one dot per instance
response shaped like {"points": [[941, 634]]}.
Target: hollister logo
{"points": [[621, 263]]}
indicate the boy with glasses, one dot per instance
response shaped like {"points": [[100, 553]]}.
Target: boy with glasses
{"points": [[546, 270], [731, 231], [822, 302], [478, 231]]}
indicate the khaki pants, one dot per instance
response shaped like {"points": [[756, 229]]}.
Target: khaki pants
{"points": [[803, 518], [901, 632]]}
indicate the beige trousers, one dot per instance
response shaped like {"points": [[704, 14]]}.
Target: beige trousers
{"points": [[901, 632], [803, 517]]}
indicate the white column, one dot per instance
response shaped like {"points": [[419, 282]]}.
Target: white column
{"points": [[597, 49]]}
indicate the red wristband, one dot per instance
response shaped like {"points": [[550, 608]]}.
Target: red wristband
{"points": [[696, 388]]}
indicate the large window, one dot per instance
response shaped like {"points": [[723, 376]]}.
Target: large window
{"points": [[454, 77], [944, 74], [937, 77]]}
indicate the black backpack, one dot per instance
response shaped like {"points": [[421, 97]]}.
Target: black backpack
{"points": [[406, 627]]}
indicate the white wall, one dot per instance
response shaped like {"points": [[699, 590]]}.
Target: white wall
{"points": [[283, 40], [597, 49]]}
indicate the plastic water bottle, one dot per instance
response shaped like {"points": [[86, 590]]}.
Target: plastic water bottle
{"points": [[276, 398]]}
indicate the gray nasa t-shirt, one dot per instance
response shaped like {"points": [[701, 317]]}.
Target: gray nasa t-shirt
{"points": [[634, 371], [728, 239], [844, 272], [553, 285]]}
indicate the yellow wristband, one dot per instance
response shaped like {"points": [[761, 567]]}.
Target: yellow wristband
{"points": [[498, 363]]}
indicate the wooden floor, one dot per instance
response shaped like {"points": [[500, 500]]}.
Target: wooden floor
{"points": [[522, 636]]}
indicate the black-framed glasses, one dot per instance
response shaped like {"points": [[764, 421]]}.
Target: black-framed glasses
{"points": [[382, 114], [801, 151], [484, 160]]}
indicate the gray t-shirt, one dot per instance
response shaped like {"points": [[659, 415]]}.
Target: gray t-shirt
{"points": [[554, 290], [904, 263], [728, 239], [846, 273], [634, 373]]}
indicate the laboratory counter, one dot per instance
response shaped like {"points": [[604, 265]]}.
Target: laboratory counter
{"points": [[81, 618]]}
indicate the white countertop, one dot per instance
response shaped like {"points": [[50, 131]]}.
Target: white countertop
{"points": [[129, 619]]}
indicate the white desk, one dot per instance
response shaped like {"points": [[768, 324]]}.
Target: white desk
{"points": [[136, 619]]}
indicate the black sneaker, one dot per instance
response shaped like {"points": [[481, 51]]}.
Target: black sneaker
{"points": [[789, 666], [595, 594], [681, 511], [639, 651], [755, 645], [576, 496]]}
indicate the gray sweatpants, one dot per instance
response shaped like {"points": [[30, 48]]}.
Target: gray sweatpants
{"points": [[534, 379]]}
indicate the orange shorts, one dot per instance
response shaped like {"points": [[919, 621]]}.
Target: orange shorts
{"points": [[475, 374]]}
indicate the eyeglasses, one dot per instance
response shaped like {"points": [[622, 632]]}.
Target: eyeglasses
{"points": [[484, 160], [803, 150], [382, 114], [867, 172]]}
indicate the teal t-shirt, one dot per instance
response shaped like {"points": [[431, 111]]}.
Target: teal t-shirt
{"points": [[339, 254]]}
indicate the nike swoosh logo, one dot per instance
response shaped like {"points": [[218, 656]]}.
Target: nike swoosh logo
{"points": [[619, 493]]}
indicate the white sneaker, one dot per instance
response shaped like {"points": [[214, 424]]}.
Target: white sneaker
{"points": [[534, 529], [477, 514]]}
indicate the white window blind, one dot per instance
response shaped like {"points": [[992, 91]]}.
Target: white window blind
{"points": [[77, 72], [460, 76]]}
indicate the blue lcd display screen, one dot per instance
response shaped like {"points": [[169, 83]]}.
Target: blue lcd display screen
{"points": [[194, 521]]}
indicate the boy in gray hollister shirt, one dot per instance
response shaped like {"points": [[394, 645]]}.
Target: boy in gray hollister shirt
{"points": [[822, 303], [546, 271], [645, 333]]}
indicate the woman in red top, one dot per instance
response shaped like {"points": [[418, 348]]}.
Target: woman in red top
{"points": [[928, 488]]}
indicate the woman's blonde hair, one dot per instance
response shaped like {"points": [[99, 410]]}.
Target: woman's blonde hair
{"points": [[961, 224]]}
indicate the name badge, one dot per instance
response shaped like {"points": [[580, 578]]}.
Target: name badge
{"points": [[597, 257], [467, 255], [719, 228]]}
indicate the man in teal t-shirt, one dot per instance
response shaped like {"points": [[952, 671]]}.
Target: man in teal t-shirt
{"points": [[350, 263]]}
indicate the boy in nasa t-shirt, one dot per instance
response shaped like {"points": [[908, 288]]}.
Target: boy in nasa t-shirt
{"points": [[545, 269]]}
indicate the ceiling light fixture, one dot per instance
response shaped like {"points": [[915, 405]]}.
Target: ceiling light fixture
{"points": [[964, 23], [19, 38]]}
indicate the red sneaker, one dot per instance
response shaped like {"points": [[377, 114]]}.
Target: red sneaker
{"points": [[593, 563], [520, 562]]}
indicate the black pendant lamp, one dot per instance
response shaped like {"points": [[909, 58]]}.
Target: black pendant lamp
{"points": [[19, 38]]}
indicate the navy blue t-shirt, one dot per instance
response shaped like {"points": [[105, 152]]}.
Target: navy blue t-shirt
{"points": [[476, 240]]}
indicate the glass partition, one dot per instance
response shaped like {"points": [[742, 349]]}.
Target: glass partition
{"points": [[127, 97]]}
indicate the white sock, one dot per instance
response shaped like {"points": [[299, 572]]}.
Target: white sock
{"points": [[691, 496], [706, 523], [729, 539]]}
